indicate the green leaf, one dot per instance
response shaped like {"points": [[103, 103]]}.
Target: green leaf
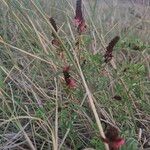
{"points": [[131, 144]]}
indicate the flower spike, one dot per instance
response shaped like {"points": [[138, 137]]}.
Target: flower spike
{"points": [[78, 19], [53, 23], [71, 83], [113, 139], [55, 41], [109, 49]]}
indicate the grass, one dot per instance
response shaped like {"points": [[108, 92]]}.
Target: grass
{"points": [[38, 111]]}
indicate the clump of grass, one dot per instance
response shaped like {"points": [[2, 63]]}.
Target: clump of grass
{"points": [[56, 89]]}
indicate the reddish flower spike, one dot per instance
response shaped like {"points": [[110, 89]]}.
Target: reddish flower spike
{"points": [[113, 139], [53, 23], [82, 27], [109, 49], [79, 21], [71, 83], [117, 143], [55, 41], [66, 69], [79, 17]]}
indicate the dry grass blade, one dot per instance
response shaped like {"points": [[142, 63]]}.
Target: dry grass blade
{"points": [[91, 101]]}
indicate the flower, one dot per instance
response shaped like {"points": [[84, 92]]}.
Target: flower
{"points": [[109, 49], [78, 17], [71, 83], [55, 41], [82, 27], [79, 21], [53, 23], [113, 139]]}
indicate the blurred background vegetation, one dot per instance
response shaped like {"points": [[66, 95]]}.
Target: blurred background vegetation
{"points": [[37, 110]]}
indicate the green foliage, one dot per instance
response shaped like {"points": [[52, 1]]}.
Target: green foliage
{"points": [[1, 79], [97, 143], [133, 43], [40, 112], [131, 144]]}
